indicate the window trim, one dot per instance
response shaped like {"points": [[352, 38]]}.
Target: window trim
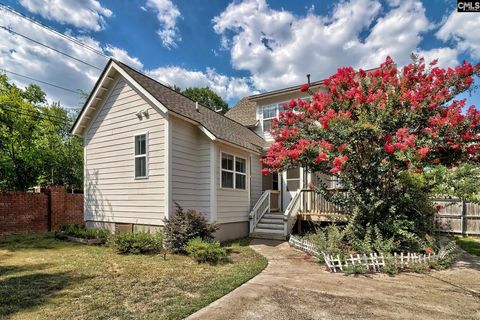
{"points": [[234, 172], [141, 155], [278, 109]]}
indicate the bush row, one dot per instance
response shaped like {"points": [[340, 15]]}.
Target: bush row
{"points": [[187, 232]]}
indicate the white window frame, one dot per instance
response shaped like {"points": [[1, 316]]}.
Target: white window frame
{"points": [[140, 155], [234, 171], [278, 108], [270, 118]]}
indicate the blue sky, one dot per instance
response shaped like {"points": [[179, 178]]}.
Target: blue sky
{"points": [[236, 48]]}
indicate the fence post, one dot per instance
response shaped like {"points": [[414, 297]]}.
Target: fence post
{"points": [[463, 218]]}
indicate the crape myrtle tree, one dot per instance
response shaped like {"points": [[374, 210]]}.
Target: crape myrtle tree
{"points": [[374, 130]]}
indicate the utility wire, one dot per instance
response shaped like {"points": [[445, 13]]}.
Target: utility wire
{"points": [[33, 113], [69, 38], [40, 81], [40, 116], [51, 48]]}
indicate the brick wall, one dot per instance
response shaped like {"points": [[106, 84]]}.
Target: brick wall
{"points": [[22, 212]]}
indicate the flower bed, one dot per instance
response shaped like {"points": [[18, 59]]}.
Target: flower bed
{"points": [[372, 262]]}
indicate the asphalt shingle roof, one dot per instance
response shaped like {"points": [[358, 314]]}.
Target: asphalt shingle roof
{"points": [[244, 112], [220, 126]]}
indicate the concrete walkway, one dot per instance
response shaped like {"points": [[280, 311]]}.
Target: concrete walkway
{"points": [[293, 286]]}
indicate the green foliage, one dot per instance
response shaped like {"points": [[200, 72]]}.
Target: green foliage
{"points": [[391, 266], [355, 269], [139, 242], [446, 257], [372, 242], [205, 251], [418, 267], [79, 231], [206, 97], [185, 226], [35, 145], [460, 182]]}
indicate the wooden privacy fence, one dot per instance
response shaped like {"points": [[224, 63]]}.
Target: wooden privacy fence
{"points": [[457, 216]]}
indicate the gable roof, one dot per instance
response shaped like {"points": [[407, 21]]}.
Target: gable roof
{"points": [[213, 123], [244, 112]]}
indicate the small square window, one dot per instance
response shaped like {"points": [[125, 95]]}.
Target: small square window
{"points": [[227, 179]]}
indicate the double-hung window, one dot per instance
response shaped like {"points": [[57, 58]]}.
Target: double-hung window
{"points": [[269, 113], [141, 156], [233, 172]]}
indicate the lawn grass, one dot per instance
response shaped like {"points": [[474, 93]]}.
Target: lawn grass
{"points": [[469, 244], [44, 278]]}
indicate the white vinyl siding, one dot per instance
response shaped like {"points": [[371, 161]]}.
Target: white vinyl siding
{"points": [[190, 149], [111, 191], [255, 179]]}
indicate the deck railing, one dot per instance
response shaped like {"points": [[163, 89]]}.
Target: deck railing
{"points": [[315, 203], [291, 213], [261, 207]]}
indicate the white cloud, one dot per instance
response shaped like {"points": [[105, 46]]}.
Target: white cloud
{"points": [[463, 30], [122, 55], [226, 87], [167, 15], [279, 48], [27, 58], [85, 14]]}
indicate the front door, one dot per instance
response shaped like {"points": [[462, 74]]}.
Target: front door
{"points": [[292, 182]]}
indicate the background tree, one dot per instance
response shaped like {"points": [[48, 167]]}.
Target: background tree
{"points": [[461, 182], [35, 145], [206, 97], [375, 130]]}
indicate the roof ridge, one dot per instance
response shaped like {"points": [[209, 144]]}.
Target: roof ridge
{"points": [[181, 94]]}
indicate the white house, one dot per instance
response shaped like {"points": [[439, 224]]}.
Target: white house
{"points": [[147, 147]]}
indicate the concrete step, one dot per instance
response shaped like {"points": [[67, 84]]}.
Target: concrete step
{"points": [[274, 221], [270, 236], [270, 226], [264, 230]]}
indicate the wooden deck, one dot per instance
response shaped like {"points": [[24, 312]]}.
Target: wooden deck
{"points": [[322, 216]]}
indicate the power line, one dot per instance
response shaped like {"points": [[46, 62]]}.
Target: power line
{"points": [[40, 115], [51, 48], [40, 81], [32, 113], [69, 38]]}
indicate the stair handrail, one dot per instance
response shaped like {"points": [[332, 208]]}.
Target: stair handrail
{"points": [[259, 209], [290, 214]]}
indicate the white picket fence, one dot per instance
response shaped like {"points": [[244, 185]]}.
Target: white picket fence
{"points": [[373, 262]]}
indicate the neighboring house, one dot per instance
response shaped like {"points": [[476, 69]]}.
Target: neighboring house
{"points": [[147, 147]]}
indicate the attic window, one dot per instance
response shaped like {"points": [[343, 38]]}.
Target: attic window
{"points": [[141, 156]]}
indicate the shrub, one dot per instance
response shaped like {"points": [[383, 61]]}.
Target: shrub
{"points": [[418, 267], [185, 226], [79, 231], [355, 269], [446, 257], [391, 266], [139, 242], [204, 251]]}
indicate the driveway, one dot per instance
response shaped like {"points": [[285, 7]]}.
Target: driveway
{"points": [[294, 286]]}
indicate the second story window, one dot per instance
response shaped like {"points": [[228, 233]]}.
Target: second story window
{"points": [[269, 113]]}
